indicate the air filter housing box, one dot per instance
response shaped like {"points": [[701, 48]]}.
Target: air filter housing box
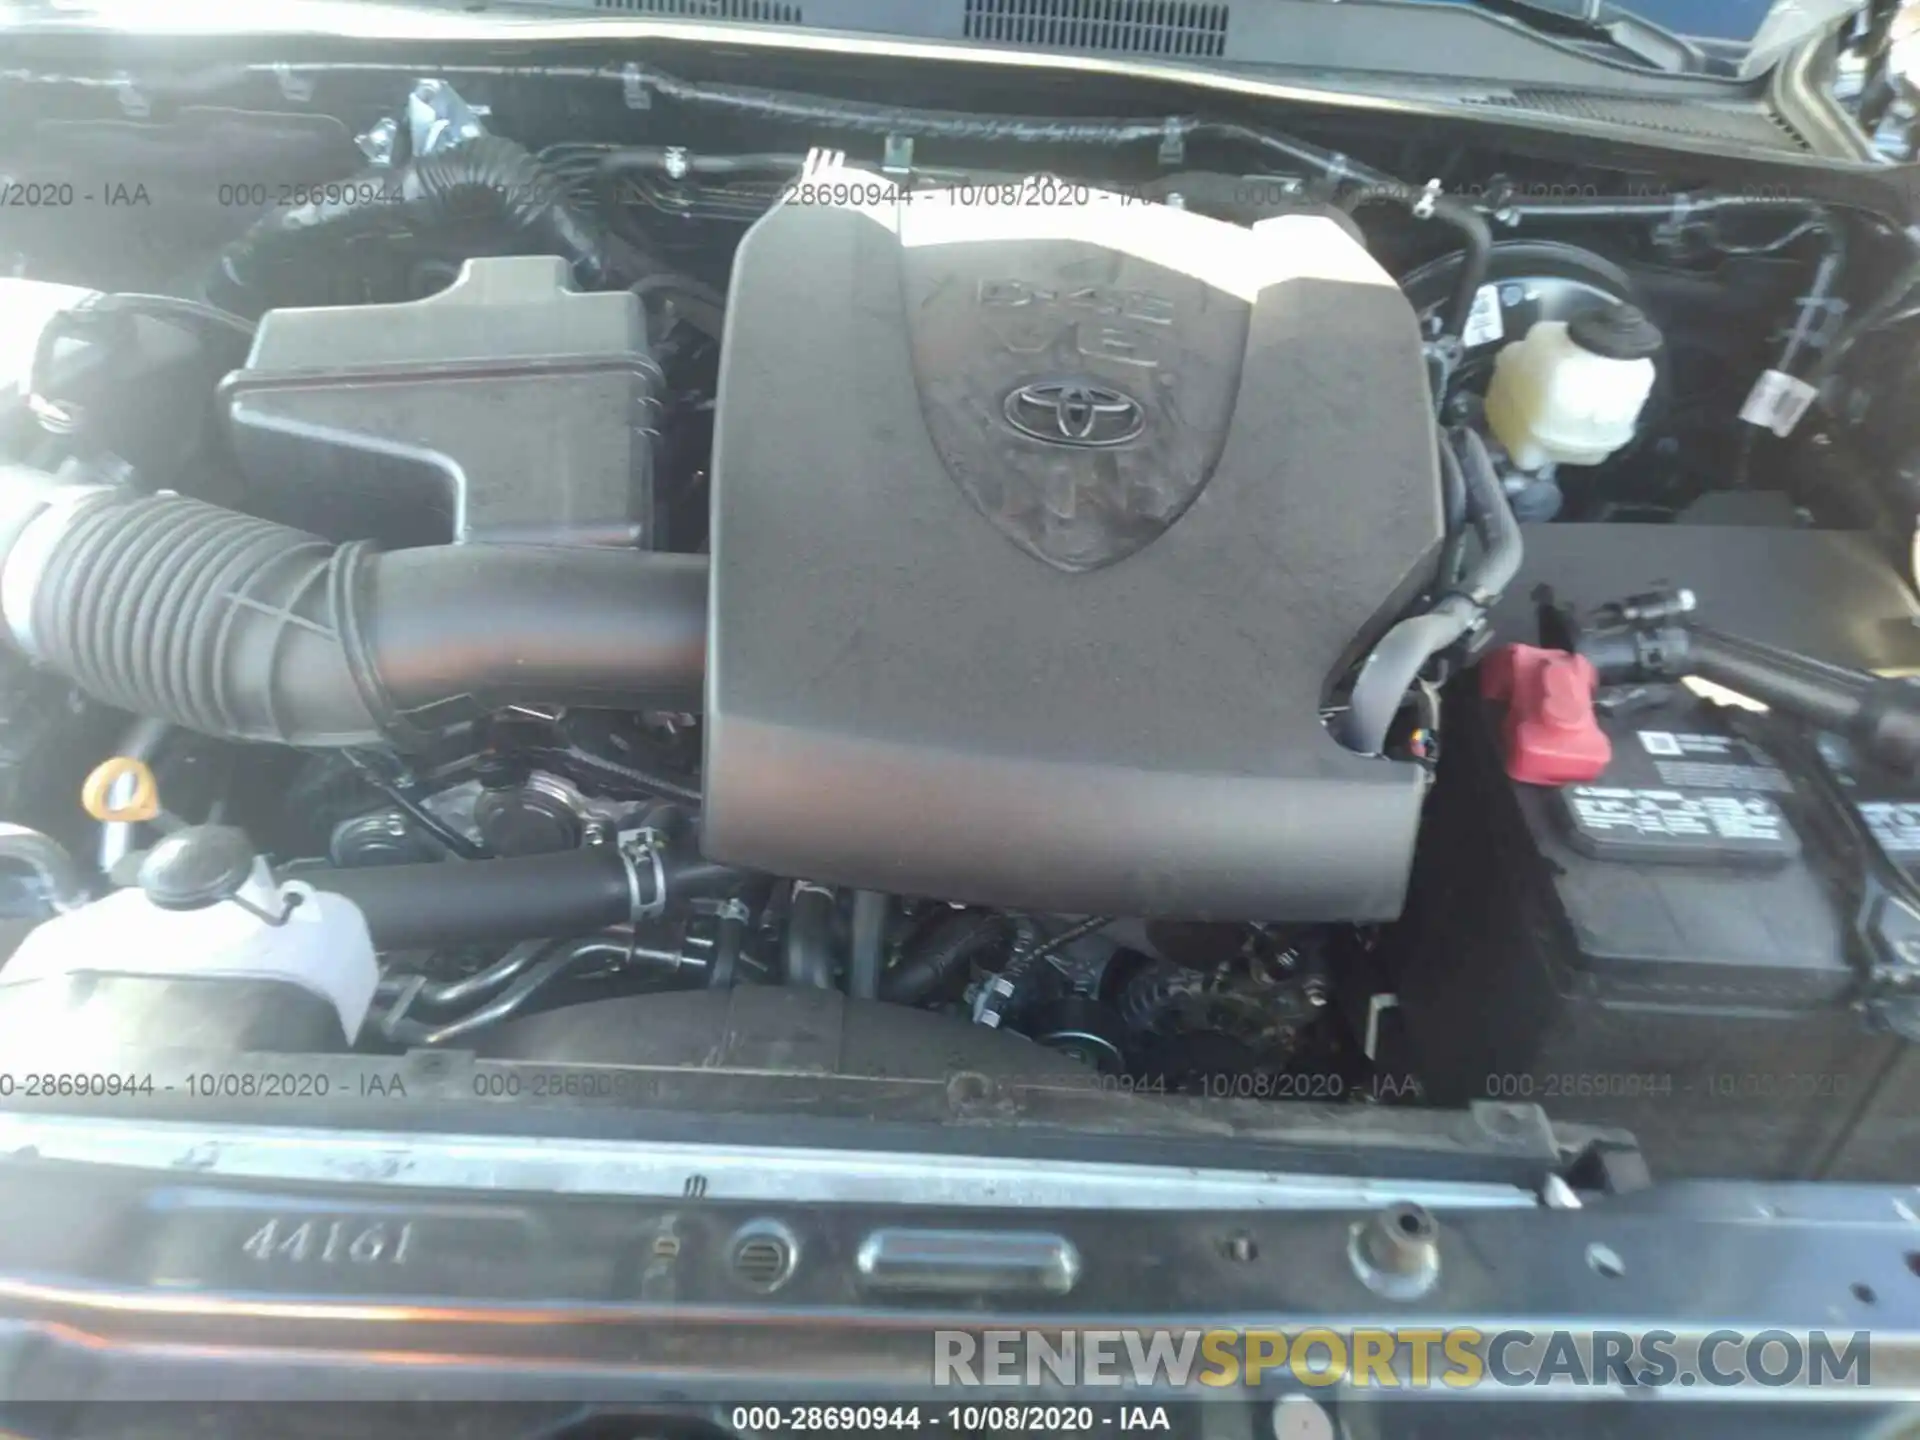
{"points": [[508, 407], [1040, 532]]}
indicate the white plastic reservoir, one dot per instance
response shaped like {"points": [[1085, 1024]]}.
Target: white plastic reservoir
{"points": [[1570, 392], [209, 908]]}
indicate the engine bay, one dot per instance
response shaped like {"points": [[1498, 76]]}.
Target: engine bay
{"points": [[1187, 604]]}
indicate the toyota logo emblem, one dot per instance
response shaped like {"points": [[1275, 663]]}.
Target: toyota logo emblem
{"points": [[1074, 412]]}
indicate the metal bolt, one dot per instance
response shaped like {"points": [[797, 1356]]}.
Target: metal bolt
{"points": [[1603, 1260], [378, 143], [1397, 1253]]}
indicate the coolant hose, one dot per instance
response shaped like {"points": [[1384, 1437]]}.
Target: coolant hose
{"points": [[248, 630], [1396, 662], [1501, 549], [490, 902], [807, 959], [1476, 240], [484, 182], [942, 955]]}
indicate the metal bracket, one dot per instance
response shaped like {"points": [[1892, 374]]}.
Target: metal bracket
{"points": [[896, 155], [378, 143], [133, 102], [294, 86], [633, 88], [1669, 230], [439, 119], [1173, 144]]}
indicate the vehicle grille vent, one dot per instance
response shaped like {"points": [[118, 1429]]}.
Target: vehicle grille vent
{"points": [[1754, 125], [1129, 27], [767, 12], [762, 1257]]}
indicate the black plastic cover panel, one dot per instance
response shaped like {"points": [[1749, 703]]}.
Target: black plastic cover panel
{"points": [[1039, 533], [509, 407]]}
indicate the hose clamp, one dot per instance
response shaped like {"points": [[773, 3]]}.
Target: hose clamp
{"points": [[638, 849], [1427, 200]]}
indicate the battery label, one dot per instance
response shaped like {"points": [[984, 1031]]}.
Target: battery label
{"points": [[1677, 742], [1674, 813], [1701, 775], [1896, 825], [1681, 826]]}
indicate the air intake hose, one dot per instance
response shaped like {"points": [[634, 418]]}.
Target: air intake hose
{"points": [[248, 630]]}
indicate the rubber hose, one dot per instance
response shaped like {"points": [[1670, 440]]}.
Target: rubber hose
{"points": [[807, 960], [1476, 240], [865, 957], [61, 880], [248, 630], [942, 955], [465, 191], [479, 902], [1476, 257], [728, 943], [1501, 547], [1396, 662]]}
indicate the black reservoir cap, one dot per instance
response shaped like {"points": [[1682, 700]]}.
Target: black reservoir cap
{"points": [[1619, 332]]}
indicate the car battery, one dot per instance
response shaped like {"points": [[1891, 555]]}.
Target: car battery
{"points": [[1662, 946]]}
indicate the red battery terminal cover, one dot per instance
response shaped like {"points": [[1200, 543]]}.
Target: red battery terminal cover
{"points": [[1551, 735]]}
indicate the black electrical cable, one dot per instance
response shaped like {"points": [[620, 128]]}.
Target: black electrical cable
{"points": [[457, 844], [872, 118], [454, 192], [113, 305], [700, 305], [603, 770], [1077, 931]]}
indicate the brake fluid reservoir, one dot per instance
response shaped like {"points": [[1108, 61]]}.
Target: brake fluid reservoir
{"points": [[1570, 392], [208, 908]]}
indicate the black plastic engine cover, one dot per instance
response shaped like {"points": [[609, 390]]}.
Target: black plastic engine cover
{"points": [[1039, 534]]}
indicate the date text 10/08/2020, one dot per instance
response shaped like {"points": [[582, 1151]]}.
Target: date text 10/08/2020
{"points": [[962, 1419]]}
